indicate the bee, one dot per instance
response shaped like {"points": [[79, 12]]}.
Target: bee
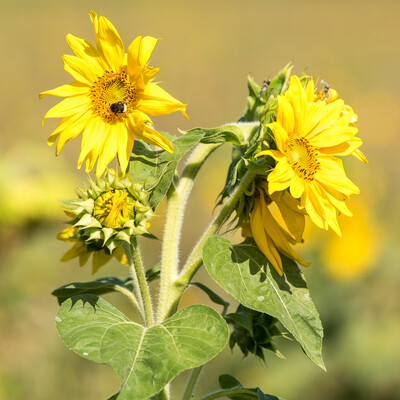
{"points": [[326, 87], [118, 108]]}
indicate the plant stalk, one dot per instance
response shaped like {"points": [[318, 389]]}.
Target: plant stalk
{"points": [[177, 198], [191, 383], [195, 260], [138, 272]]}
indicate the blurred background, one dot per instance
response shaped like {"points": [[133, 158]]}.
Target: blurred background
{"points": [[207, 51]]}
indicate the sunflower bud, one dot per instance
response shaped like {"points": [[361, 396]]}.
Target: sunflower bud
{"points": [[110, 212]]}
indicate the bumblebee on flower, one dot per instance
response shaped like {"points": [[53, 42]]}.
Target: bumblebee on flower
{"points": [[111, 99]]}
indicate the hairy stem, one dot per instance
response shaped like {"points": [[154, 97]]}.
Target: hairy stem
{"points": [[177, 199], [195, 260], [191, 383], [131, 297], [138, 272]]}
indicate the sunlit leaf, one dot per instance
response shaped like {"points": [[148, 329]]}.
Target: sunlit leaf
{"points": [[244, 272], [145, 359]]}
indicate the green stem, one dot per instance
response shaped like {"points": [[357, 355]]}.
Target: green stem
{"points": [[138, 272], [191, 383], [230, 393], [177, 199], [131, 297], [163, 395], [195, 260]]}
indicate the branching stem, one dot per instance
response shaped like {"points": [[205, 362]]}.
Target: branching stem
{"points": [[177, 199], [195, 260]]}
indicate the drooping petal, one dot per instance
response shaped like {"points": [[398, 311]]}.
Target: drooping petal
{"points": [[293, 217], [279, 236], [261, 239], [156, 101]]}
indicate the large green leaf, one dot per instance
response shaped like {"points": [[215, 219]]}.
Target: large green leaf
{"points": [[145, 359], [155, 169], [244, 272]]}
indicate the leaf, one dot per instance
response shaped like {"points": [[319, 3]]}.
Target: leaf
{"points": [[145, 359], [222, 134], [155, 169], [244, 272], [97, 287], [213, 296], [153, 273]]}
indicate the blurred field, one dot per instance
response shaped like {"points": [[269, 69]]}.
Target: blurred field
{"points": [[207, 51]]}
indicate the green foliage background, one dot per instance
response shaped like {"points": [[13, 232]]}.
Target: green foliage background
{"points": [[208, 49]]}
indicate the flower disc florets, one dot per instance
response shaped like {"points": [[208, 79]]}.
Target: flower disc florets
{"points": [[109, 213]]}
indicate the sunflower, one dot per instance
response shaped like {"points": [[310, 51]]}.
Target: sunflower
{"points": [[111, 99], [308, 135], [272, 238], [109, 213]]}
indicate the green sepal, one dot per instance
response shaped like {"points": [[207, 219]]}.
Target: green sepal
{"points": [[245, 273], [145, 359]]}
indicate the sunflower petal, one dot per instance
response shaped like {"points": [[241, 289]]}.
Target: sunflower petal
{"points": [[156, 101], [70, 89]]}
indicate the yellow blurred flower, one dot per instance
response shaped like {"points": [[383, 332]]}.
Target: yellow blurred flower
{"points": [[111, 99], [308, 134], [350, 259], [269, 235]]}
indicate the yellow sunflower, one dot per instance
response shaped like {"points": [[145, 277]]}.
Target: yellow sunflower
{"points": [[308, 134], [111, 99], [269, 235]]}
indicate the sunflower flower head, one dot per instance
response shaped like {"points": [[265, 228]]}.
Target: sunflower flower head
{"points": [[106, 215], [309, 132], [111, 99], [270, 236]]}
